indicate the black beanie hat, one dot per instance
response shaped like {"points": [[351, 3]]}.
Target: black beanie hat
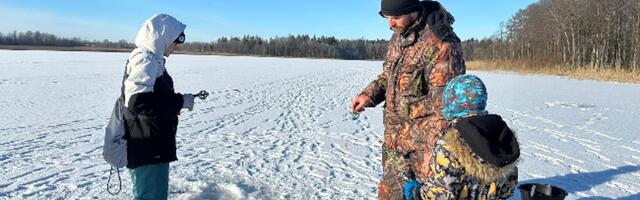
{"points": [[181, 38], [399, 7]]}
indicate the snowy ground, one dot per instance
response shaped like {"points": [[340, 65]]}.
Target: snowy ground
{"points": [[277, 128]]}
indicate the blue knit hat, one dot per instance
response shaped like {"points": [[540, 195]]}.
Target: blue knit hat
{"points": [[464, 95]]}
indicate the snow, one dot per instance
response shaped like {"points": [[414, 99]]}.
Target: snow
{"points": [[279, 128]]}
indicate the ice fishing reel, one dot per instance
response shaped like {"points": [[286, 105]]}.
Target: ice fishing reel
{"points": [[202, 94]]}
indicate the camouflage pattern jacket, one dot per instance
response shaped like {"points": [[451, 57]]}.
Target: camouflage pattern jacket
{"points": [[417, 66]]}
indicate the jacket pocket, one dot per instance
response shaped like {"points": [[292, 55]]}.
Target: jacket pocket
{"points": [[415, 107], [412, 81], [143, 127], [413, 94]]}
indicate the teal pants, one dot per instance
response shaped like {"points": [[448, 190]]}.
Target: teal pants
{"points": [[150, 182]]}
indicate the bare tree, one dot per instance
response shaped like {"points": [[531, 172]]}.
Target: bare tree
{"points": [[599, 34]]}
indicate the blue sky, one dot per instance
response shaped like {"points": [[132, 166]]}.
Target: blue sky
{"points": [[209, 20]]}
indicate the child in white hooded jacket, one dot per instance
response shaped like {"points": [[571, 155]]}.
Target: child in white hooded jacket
{"points": [[151, 106]]}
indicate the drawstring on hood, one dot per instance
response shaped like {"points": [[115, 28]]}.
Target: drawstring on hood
{"points": [[158, 32]]}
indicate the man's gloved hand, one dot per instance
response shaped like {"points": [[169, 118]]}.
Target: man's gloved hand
{"points": [[188, 101], [411, 190]]}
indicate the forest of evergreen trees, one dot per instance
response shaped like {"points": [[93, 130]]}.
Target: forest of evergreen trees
{"points": [[295, 46], [290, 46], [574, 34], [38, 38]]}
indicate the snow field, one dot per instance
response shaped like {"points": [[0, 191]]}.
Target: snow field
{"points": [[280, 128]]}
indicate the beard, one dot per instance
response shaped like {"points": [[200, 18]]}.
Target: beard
{"points": [[399, 29]]}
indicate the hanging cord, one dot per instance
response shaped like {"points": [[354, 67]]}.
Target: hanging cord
{"points": [[109, 181]]}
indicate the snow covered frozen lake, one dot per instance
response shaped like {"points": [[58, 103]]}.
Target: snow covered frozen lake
{"points": [[279, 128]]}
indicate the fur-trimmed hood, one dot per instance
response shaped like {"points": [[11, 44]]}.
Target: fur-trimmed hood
{"points": [[484, 145]]}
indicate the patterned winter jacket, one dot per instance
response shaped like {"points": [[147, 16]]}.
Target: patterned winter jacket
{"points": [[475, 159], [417, 66]]}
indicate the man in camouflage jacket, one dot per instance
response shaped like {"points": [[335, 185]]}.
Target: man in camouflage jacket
{"points": [[423, 55]]}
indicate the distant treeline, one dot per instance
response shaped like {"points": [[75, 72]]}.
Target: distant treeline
{"points": [[295, 46], [573, 34], [38, 38], [290, 46]]}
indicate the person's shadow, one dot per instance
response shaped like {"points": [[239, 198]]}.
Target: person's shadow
{"points": [[578, 182], [630, 197]]}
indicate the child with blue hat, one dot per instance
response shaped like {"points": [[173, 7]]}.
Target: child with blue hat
{"points": [[476, 157]]}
